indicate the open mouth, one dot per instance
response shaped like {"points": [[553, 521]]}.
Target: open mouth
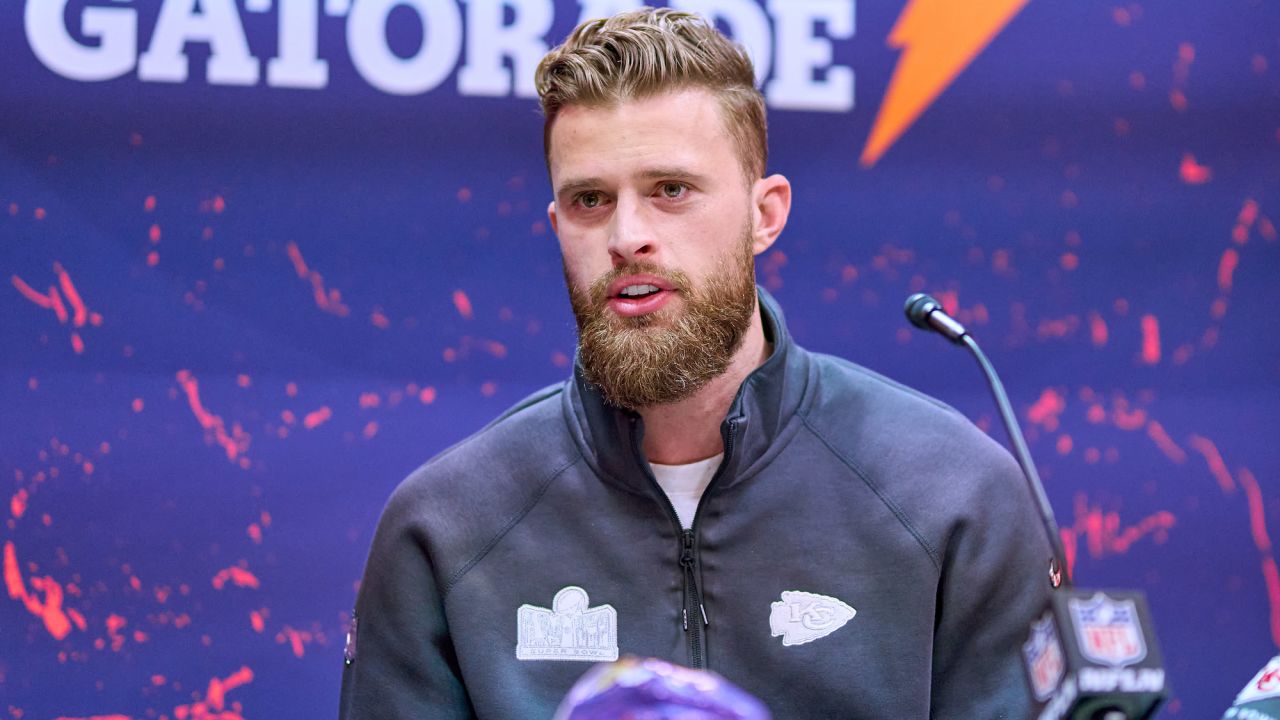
{"points": [[639, 294], [636, 292]]}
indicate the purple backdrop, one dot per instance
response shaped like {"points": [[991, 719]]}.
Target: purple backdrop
{"points": [[261, 259]]}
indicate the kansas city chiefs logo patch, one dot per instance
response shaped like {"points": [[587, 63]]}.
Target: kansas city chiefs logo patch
{"points": [[802, 617]]}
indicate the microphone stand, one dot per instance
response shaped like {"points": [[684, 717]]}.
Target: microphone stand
{"points": [[1089, 655], [1057, 578]]}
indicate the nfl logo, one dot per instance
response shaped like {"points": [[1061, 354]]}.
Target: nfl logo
{"points": [[1108, 630], [1043, 655]]}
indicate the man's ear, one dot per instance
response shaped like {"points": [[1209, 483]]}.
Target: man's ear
{"points": [[770, 207], [551, 216]]}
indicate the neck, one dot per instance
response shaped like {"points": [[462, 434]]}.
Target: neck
{"points": [[689, 430]]}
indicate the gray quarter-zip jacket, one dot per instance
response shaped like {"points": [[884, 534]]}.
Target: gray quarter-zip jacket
{"points": [[863, 551]]}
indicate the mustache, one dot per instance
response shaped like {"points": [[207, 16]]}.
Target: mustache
{"points": [[600, 287]]}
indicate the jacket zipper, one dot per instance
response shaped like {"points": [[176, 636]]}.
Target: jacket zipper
{"points": [[691, 594]]}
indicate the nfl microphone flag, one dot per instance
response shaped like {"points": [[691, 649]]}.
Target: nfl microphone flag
{"points": [[1093, 651]]}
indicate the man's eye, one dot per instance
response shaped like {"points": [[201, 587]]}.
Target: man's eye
{"points": [[590, 200], [673, 190]]}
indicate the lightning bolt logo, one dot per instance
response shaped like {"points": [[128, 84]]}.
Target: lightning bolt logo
{"points": [[938, 40]]}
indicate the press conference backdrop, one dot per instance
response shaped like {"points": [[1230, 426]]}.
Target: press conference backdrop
{"points": [[261, 258]]}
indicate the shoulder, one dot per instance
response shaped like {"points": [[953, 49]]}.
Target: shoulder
{"points": [[872, 412], [468, 495], [919, 453]]}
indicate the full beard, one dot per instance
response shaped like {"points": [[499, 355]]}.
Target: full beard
{"points": [[668, 355]]}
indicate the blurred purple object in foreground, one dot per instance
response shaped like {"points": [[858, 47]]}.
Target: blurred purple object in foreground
{"points": [[635, 689]]}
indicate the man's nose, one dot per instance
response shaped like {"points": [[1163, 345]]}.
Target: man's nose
{"points": [[631, 237]]}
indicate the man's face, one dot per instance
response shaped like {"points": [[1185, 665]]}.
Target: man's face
{"points": [[653, 213]]}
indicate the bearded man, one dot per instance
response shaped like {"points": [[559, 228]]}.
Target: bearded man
{"points": [[701, 490]]}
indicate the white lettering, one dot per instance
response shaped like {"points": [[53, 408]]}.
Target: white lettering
{"points": [[594, 9], [116, 30], [298, 64], [374, 59], [1129, 680], [747, 24], [801, 54], [489, 41], [215, 22]]}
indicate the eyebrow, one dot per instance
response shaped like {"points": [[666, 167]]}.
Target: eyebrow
{"points": [[572, 187]]}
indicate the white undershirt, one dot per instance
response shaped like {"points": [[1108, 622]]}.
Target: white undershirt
{"points": [[684, 484]]}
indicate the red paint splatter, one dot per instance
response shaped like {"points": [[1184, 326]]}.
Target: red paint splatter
{"points": [[1272, 578], [115, 624], [1056, 328], [1103, 534], [1257, 513], [149, 205], [316, 418], [1192, 172], [1046, 410], [463, 304], [1166, 444], [1268, 229], [18, 503], [237, 576], [327, 299], [370, 429], [370, 400], [1217, 466], [257, 620], [297, 639], [255, 533], [53, 300], [235, 443], [1227, 268], [1150, 339], [214, 706], [427, 396], [1127, 419], [1097, 330], [379, 319], [96, 717], [50, 610], [488, 388]]}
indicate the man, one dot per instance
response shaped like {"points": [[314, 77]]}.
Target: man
{"points": [[702, 490]]}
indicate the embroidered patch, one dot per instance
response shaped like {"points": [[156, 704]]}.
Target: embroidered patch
{"points": [[570, 630], [1108, 630], [802, 617]]}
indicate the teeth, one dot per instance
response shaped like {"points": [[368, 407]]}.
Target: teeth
{"points": [[635, 290]]}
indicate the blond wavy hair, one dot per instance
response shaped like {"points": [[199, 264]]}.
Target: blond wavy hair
{"points": [[647, 52]]}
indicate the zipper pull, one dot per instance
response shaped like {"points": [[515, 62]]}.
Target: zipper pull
{"points": [[686, 562]]}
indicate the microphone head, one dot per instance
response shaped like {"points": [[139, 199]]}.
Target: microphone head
{"points": [[918, 308]]}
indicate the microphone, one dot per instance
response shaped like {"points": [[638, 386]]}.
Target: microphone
{"points": [[1090, 655], [927, 314]]}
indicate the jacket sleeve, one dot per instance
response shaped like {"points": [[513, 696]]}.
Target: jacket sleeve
{"points": [[994, 583], [404, 664]]}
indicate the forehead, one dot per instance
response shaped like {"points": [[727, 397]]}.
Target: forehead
{"points": [[682, 129]]}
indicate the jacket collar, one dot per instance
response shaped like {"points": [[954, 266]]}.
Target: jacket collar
{"points": [[753, 429]]}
